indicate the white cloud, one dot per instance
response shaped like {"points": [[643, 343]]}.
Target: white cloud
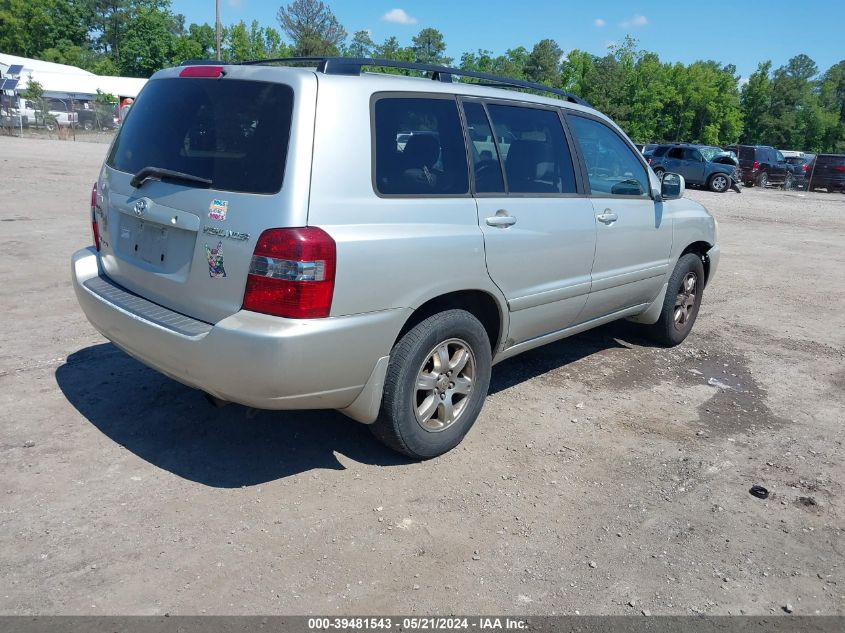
{"points": [[599, 22], [633, 22], [742, 81], [399, 17]]}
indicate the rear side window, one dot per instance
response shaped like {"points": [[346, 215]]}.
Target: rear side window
{"points": [[534, 150], [232, 132], [676, 152], [661, 150], [419, 147], [612, 166]]}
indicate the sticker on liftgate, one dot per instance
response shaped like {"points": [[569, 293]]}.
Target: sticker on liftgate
{"points": [[215, 261], [217, 209]]}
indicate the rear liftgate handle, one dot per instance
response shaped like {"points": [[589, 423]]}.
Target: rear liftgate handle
{"points": [[501, 220]]}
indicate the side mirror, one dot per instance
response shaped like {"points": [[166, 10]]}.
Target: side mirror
{"points": [[672, 186]]}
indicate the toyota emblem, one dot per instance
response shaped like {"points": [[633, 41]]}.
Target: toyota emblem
{"points": [[140, 207]]}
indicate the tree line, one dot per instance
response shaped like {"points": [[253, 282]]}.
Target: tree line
{"points": [[795, 106]]}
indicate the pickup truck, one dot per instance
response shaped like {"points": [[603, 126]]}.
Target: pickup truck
{"points": [[62, 118]]}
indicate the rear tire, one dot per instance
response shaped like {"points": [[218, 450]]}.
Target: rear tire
{"points": [[682, 301], [788, 182], [763, 180], [436, 384]]}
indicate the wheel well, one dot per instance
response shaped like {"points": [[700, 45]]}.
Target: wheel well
{"points": [[478, 303], [700, 249]]}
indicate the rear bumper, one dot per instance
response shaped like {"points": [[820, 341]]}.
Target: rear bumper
{"points": [[253, 359]]}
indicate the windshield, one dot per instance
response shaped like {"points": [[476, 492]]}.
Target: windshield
{"points": [[710, 153], [233, 133]]}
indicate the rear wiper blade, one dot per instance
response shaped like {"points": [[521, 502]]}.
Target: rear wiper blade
{"points": [[160, 173]]}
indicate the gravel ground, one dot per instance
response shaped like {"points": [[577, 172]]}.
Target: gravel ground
{"points": [[604, 475]]}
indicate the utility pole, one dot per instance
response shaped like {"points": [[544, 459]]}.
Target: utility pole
{"points": [[217, 26]]}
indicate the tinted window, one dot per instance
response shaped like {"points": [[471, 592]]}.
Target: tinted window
{"points": [[831, 159], [487, 169], [612, 166], [233, 132], [433, 158], [534, 150], [660, 151], [675, 152], [746, 153]]}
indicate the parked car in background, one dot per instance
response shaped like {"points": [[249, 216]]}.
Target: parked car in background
{"points": [[60, 118], [828, 173], [698, 165], [648, 148], [94, 119], [762, 165], [800, 167]]}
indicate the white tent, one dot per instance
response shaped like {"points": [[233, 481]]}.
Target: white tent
{"points": [[69, 82]]}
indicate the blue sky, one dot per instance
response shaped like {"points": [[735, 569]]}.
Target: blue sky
{"points": [[729, 32]]}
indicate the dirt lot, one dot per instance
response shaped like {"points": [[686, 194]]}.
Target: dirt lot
{"points": [[604, 475]]}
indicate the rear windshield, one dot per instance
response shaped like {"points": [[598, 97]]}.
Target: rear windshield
{"points": [[831, 159], [232, 132], [746, 153]]}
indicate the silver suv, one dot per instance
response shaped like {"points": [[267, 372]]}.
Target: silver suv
{"points": [[325, 238]]}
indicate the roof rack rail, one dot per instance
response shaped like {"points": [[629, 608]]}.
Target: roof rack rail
{"points": [[353, 66]]}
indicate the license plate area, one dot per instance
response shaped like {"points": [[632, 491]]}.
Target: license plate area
{"points": [[153, 246]]}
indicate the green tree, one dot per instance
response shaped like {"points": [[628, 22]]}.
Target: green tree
{"points": [[756, 101], [28, 27], [149, 44], [362, 45], [242, 42], [312, 27], [197, 42], [430, 48], [543, 63]]}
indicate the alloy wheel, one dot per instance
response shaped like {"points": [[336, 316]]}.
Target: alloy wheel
{"points": [[685, 301], [444, 385]]}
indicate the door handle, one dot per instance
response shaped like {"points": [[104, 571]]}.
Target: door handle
{"points": [[608, 217], [501, 220]]}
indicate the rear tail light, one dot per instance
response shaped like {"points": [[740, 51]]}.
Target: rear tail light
{"points": [[649, 160], [292, 273], [839, 168], [805, 167], [756, 165], [94, 228]]}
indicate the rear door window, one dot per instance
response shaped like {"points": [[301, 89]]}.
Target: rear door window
{"points": [[676, 152], [487, 169], [232, 132], [419, 147], [534, 150]]}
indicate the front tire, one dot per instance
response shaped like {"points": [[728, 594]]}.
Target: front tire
{"points": [[436, 384], [719, 183], [659, 172], [682, 301]]}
